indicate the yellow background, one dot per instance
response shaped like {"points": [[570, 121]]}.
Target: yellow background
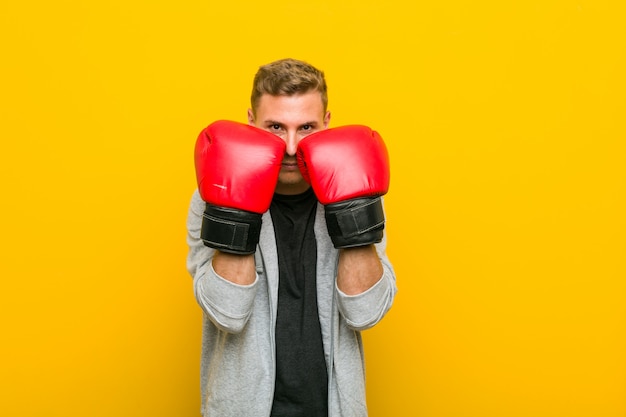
{"points": [[505, 122]]}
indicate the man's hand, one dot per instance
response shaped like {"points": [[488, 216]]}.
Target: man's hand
{"points": [[237, 169], [348, 168]]}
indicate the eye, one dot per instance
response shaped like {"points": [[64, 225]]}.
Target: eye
{"points": [[307, 127], [275, 126]]}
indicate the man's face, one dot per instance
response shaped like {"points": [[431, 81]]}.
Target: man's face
{"points": [[291, 118]]}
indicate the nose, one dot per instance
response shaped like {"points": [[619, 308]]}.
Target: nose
{"points": [[292, 143]]}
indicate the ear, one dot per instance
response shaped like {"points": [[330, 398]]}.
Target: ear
{"points": [[250, 117], [326, 120]]}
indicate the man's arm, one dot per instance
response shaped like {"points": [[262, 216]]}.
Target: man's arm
{"points": [[348, 168], [226, 303], [366, 287], [238, 269], [237, 167], [358, 270]]}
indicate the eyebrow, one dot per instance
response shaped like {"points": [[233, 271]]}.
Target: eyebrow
{"points": [[275, 122]]}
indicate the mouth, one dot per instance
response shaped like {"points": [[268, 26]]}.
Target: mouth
{"points": [[290, 165]]}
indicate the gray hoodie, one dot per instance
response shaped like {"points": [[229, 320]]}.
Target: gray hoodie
{"points": [[238, 352]]}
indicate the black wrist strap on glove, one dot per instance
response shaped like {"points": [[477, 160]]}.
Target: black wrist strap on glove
{"points": [[356, 222], [230, 230]]}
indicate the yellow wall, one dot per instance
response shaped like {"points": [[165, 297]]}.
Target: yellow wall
{"points": [[506, 126]]}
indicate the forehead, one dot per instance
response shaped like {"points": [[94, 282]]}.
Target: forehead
{"points": [[294, 108]]}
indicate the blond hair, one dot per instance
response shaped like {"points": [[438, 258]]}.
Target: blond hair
{"points": [[288, 77]]}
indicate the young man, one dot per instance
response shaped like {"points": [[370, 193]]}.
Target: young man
{"points": [[282, 318]]}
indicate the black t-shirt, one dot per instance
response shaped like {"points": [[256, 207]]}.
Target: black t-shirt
{"points": [[301, 377]]}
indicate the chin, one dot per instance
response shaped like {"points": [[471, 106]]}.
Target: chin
{"points": [[290, 178], [292, 183]]}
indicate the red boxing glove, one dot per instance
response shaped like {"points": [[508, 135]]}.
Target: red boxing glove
{"points": [[237, 168], [348, 168]]}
